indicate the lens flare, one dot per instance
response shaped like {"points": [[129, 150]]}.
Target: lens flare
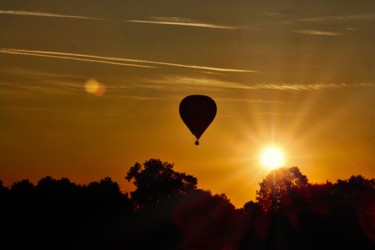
{"points": [[95, 87]]}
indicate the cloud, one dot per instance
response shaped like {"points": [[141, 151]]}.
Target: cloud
{"points": [[20, 90], [46, 14], [341, 20], [191, 82], [116, 60], [273, 13], [152, 20], [329, 20], [281, 113], [263, 101], [27, 86], [60, 110], [181, 22], [26, 72], [69, 56], [209, 73], [22, 83], [317, 32], [364, 16], [309, 87]]}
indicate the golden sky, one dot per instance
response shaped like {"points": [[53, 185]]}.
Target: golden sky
{"points": [[88, 88]]}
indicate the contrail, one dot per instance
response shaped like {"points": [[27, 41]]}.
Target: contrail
{"points": [[115, 60], [164, 22], [317, 32], [30, 53], [190, 24], [46, 14]]}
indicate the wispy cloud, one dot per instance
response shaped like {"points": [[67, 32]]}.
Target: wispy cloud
{"points": [[362, 16], [340, 19], [116, 60], [317, 32], [181, 22], [21, 90], [18, 83], [281, 113], [67, 111], [46, 14], [273, 13], [26, 72], [191, 82], [70, 56], [177, 21], [210, 73], [23, 86], [263, 101], [334, 20], [309, 87], [216, 83]]}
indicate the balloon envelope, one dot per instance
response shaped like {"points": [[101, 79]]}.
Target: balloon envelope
{"points": [[197, 112]]}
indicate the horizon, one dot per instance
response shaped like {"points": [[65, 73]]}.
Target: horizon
{"points": [[128, 191]]}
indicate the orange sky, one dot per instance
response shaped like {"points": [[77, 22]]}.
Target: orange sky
{"points": [[299, 75]]}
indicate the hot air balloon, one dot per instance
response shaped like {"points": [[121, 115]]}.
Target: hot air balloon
{"points": [[197, 112]]}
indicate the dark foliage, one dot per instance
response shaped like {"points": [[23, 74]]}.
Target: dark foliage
{"points": [[293, 214], [157, 182], [277, 186], [58, 214], [167, 211], [208, 222]]}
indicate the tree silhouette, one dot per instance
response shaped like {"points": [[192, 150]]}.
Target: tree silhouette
{"points": [[355, 188], [62, 189], [22, 190], [289, 213], [208, 221], [277, 186], [106, 194], [3, 191], [103, 189], [350, 205], [156, 181], [257, 224]]}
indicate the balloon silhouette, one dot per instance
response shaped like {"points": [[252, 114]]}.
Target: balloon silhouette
{"points": [[197, 112]]}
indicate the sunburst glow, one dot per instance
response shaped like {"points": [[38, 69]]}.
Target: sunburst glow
{"points": [[272, 157]]}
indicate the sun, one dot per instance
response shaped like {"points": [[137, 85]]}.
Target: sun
{"points": [[272, 157]]}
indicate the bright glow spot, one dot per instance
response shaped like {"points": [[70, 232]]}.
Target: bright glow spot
{"points": [[272, 158], [94, 87]]}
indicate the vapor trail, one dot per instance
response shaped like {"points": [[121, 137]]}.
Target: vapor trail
{"points": [[190, 24], [46, 14], [114, 60], [61, 56]]}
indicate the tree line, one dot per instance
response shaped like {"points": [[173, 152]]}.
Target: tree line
{"points": [[168, 211]]}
